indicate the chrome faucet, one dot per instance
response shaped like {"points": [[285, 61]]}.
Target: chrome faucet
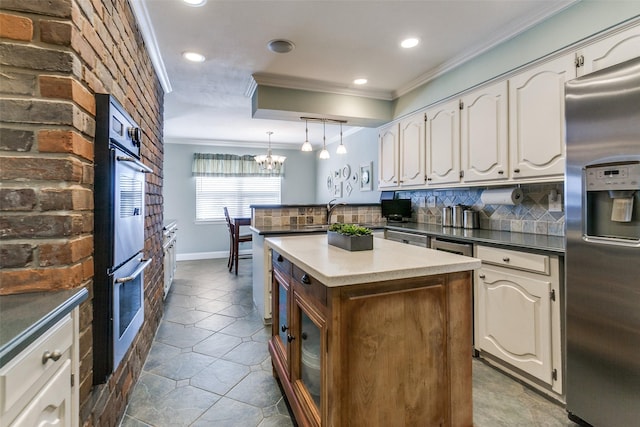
{"points": [[331, 207]]}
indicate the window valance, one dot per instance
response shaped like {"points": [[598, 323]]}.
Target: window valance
{"points": [[206, 164]]}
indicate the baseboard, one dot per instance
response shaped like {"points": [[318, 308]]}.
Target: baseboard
{"points": [[193, 256]]}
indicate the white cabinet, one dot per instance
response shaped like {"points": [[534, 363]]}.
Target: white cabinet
{"points": [[39, 385], [388, 143], [536, 119], [615, 49], [170, 238], [401, 153], [443, 143], [517, 313], [484, 137], [412, 150]]}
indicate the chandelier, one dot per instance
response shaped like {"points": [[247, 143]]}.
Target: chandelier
{"points": [[324, 154], [269, 161]]}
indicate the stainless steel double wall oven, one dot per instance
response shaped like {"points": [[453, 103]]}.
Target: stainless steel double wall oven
{"points": [[119, 221]]}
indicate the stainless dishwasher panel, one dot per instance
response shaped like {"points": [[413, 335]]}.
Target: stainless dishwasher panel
{"points": [[408, 238], [465, 249]]}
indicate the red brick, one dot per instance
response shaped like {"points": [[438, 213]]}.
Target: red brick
{"points": [[14, 255], [63, 141], [56, 32], [41, 168], [16, 27], [67, 88], [40, 280], [44, 226], [66, 199], [65, 252], [17, 199]]}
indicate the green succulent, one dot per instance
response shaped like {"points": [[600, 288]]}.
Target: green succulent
{"points": [[350, 229]]}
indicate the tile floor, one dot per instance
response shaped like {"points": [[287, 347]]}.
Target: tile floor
{"points": [[209, 364]]}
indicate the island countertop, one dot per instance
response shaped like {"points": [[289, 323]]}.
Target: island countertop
{"points": [[388, 260]]}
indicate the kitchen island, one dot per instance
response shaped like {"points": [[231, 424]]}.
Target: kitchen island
{"points": [[379, 337]]}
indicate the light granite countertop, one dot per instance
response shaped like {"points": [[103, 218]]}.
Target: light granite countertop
{"points": [[388, 260]]}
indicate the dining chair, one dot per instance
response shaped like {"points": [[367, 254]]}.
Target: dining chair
{"points": [[233, 245]]}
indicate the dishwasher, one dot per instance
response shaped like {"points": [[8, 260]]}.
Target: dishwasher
{"points": [[465, 249]]}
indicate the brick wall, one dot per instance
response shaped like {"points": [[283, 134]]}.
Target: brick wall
{"points": [[54, 56]]}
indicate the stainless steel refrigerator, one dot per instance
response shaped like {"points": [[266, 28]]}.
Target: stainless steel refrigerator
{"points": [[602, 190]]}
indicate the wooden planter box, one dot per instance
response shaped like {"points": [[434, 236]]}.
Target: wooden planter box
{"points": [[350, 243]]}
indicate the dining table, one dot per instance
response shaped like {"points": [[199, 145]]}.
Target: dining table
{"points": [[236, 223]]}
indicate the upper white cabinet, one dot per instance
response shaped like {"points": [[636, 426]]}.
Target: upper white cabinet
{"points": [[443, 143], [388, 143], [613, 50], [536, 119], [484, 134], [402, 153], [412, 150]]}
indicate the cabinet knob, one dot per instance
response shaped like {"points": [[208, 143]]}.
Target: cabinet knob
{"points": [[505, 259], [305, 279], [290, 338], [54, 355], [500, 172], [284, 328], [304, 336], [429, 179], [279, 259], [482, 276], [516, 170]]}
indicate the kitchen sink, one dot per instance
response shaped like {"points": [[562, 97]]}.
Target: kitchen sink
{"points": [[315, 226]]}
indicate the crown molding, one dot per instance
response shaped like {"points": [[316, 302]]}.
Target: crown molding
{"points": [[259, 145], [149, 36], [512, 30], [288, 82]]}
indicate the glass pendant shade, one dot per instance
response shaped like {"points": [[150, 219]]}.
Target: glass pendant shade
{"points": [[269, 161], [307, 145]]}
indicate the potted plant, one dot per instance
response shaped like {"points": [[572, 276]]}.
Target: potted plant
{"points": [[350, 237]]}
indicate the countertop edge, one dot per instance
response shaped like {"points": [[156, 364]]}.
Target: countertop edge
{"points": [[35, 330]]}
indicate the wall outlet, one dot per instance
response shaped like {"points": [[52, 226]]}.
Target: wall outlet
{"points": [[555, 201]]}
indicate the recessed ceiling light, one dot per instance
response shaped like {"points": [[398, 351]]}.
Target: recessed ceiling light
{"points": [[409, 43], [193, 57], [280, 46], [195, 3], [360, 81]]}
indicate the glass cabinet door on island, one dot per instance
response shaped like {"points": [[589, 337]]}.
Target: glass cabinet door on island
{"points": [[281, 323]]}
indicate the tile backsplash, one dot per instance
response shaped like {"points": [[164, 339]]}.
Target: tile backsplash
{"points": [[315, 214], [531, 216]]}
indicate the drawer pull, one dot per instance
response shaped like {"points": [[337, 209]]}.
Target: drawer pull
{"points": [[482, 276], [290, 338], [279, 259], [284, 328], [54, 355], [505, 259], [305, 279]]}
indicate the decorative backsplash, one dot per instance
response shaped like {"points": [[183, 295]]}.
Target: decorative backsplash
{"points": [[531, 216], [316, 214]]}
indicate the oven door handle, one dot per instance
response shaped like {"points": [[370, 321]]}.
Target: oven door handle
{"points": [[136, 273], [143, 168]]}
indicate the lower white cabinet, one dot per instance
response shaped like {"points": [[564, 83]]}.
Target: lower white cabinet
{"points": [[38, 387], [517, 313], [170, 236]]}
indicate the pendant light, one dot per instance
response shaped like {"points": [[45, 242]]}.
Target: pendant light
{"points": [[270, 162], [341, 148], [324, 154], [307, 145]]}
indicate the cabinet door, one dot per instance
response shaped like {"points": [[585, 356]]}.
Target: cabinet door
{"points": [[484, 134], [613, 50], [536, 119], [388, 157], [443, 143], [515, 320], [412, 150], [281, 322], [52, 405], [308, 354]]}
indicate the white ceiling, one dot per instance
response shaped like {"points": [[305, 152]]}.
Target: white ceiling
{"points": [[335, 42]]}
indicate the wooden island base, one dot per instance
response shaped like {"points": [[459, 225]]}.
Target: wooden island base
{"points": [[393, 353]]}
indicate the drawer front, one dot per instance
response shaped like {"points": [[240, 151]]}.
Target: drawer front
{"points": [[27, 368], [514, 259], [308, 285], [280, 262], [412, 239]]}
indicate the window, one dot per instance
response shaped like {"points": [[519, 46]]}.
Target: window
{"points": [[236, 193]]}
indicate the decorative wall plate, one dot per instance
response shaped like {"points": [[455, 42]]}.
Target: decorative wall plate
{"points": [[348, 188], [346, 171], [330, 183]]}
